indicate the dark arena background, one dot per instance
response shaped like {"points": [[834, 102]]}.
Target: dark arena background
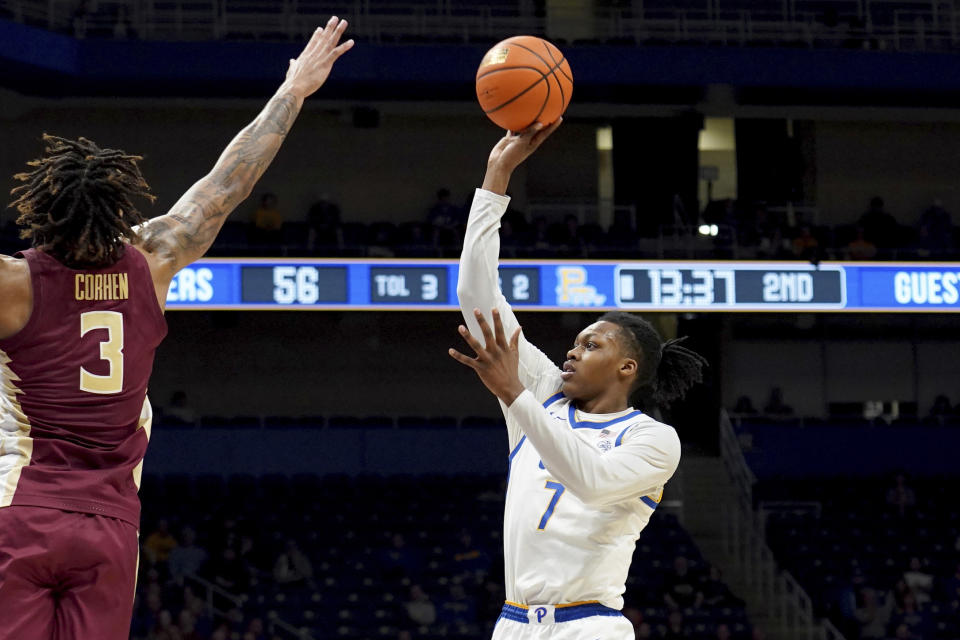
{"points": [[774, 178]]}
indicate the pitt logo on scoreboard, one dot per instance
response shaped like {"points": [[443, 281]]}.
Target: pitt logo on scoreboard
{"points": [[573, 289]]}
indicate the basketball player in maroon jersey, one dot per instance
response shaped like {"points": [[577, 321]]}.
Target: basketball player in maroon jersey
{"points": [[81, 314]]}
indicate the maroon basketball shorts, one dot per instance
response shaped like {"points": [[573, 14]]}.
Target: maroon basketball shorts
{"points": [[65, 575]]}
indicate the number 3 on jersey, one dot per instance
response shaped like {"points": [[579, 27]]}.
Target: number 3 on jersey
{"points": [[111, 350], [558, 490]]}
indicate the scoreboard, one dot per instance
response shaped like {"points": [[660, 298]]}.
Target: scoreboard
{"points": [[731, 286]]}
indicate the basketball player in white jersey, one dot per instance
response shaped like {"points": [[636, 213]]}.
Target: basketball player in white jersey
{"points": [[587, 470]]}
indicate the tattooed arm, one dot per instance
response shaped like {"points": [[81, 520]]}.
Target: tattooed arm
{"points": [[185, 233]]}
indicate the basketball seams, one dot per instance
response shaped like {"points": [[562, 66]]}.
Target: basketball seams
{"points": [[551, 66], [518, 66], [563, 94], [524, 92]]}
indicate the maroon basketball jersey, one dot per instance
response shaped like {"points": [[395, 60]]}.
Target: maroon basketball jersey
{"points": [[74, 414]]}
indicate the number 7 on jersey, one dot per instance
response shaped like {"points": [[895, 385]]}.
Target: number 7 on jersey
{"points": [[558, 490]]}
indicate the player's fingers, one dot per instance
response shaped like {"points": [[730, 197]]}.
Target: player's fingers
{"points": [[332, 34], [470, 340], [484, 328], [462, 359], [342, 49], [498, 329], [314, 40], [515, 339], [545, 132]]}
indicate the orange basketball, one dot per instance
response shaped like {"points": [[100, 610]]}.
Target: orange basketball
{"points": [[523, 80]]}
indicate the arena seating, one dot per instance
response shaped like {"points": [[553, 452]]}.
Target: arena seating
{"points": [[841, 535], [349, 529]]}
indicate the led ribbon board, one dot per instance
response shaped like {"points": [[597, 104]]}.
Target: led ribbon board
{"points": [[731, 286]]}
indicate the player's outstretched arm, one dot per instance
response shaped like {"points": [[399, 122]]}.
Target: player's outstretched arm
{"points": [[478, 283], [642, 460], [186, 232]]}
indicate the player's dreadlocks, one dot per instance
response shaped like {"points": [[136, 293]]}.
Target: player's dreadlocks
{"points": [[76, 203], [665, 369]]}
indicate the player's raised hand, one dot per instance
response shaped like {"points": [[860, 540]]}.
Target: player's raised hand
{"points": [[497, 361], [310, 70], [511, 151]]}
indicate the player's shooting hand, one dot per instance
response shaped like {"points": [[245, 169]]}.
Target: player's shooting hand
{"points": [[310, 70], [511, 151], [498, 361]]}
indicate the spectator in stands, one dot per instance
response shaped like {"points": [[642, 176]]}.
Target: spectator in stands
{"points": [[165, 629], [920, 583], [399, 560], [723, 632], [187, 624], [516, 218], [419, 607], [715, 593], [570, 241], [222, 632], [509, 241], [903, 632], [805, 244], [634, 615], [292, 566], [775, 406], [255, 630], [941, 410], [540, 240], [744, 407], [676, 628], [381, 242], [934, 231], [900, 591], [323, 225], [880, 227], [873, 614], [187, 558], [643, 631], [249, 556], [267, 221], [468, 557], [160, 543], [911, 615], [458, 607], [774, 245], [179, 410], [681, 587], [445, 218], [198, 609], [228, 573], [147, 614], [860, 248], [900, 497]]}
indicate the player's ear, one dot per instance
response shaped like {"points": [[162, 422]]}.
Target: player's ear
{"points": [[628, 367]]}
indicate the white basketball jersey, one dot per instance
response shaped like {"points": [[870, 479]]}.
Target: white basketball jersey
{"points": [[581, 486], [558, 549]]}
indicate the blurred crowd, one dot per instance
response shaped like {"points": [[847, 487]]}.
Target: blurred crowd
{"points": [[744, 231]]}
